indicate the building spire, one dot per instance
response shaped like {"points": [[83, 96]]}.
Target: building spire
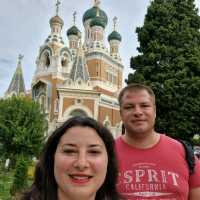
{"points": [[57, 6], [17, 85], [79, 69], [114, 23]]}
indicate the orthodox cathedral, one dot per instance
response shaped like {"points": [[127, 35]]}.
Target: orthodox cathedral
{"points": [[81, 78]]}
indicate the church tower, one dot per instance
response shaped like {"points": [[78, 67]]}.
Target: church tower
{"points": [[74, 78], [94, 21], [17, 86], [53, 66], [74, 36], [114, 39]]}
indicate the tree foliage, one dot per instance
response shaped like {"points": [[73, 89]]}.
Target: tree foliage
{"points": [[22, 127], [169, 61]]}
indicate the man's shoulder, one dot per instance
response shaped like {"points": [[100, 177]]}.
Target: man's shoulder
{"points": [[185, 147], [118, 140], [121, 145], [170, 141]]}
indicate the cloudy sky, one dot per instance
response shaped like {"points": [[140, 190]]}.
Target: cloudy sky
{"points": [[24, 26]]}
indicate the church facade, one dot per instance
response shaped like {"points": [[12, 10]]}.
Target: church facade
{"points": [[79, 75]]}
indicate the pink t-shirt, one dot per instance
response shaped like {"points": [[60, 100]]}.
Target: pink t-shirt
{"points": [[157, 173]]}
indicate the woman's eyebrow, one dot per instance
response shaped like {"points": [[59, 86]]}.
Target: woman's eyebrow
{"points": [[95, 145], [69, 144]]}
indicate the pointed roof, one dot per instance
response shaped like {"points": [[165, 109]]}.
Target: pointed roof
{"points": [[79, 69], [17, 85]]}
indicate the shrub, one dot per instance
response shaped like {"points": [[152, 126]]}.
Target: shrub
{"points": [[20, 181]]}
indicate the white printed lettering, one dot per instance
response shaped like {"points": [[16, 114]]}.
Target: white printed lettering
{"points": [[138, 174]]}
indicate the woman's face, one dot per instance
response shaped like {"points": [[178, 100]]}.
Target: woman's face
{"points": [[80, 164]]}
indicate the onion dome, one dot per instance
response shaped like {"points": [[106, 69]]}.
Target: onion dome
{"points": [[98, 21], [91, 14], [73, 31], [114, 36], [56, 20]]}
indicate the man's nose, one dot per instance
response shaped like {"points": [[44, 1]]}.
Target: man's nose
{"points": [[82, 161], [137, 110]]}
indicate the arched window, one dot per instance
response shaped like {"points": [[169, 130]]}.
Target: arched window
{"points": [[78, 112], [64, 61], [46, 59], [42, 102]]}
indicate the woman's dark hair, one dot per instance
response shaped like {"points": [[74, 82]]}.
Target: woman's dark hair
{"points": [[45, 187]]}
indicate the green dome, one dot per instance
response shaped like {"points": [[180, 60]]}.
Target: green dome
{"points": [[92, 12], [114, 36], [73, 31], [98, 21]]}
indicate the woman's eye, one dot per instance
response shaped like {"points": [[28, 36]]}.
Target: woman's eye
{"points": [[95, 152], [69, 151]]}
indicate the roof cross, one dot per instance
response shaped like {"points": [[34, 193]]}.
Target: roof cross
{"points": [[96, 3], [114, 23], [57, 6], [20, 57], [74, 17]]}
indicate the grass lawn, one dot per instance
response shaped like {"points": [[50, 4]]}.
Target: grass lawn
{"points": [[6, 178]]}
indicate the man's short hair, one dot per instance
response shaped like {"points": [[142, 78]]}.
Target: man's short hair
{"points": [[135, 87]]}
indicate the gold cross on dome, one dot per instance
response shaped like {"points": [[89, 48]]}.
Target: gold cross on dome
{"points": [[96, 3], [20, 57], [57, 6], [114, 22], [74, 17]]}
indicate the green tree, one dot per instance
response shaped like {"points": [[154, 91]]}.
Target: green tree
{"points": [[22, 127], [169, 61]]}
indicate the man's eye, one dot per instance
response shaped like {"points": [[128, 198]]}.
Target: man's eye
{"points": [[127, 107], [145, 105]]}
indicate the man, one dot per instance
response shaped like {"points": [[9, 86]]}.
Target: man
{"points": [[152, 166]]}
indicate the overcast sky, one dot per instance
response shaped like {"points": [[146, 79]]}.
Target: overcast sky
{"points": [[24, 26]]}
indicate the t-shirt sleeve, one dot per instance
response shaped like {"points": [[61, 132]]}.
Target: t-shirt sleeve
{"points": [[194, 180]]}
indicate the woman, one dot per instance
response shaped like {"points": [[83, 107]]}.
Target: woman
{"points": [[77, 162]]}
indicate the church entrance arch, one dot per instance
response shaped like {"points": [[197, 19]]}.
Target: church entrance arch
{"points": [[78, 112]]}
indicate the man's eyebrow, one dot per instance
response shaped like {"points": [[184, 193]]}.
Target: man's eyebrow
{"points": [[145, 102]]}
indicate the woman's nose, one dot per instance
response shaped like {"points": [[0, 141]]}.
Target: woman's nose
{"points": [[81, 161]]}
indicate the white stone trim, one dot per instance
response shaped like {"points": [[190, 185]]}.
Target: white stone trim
{"points": [[104, 84]]}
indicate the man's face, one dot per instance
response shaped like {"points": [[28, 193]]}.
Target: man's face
{"points": [[138, 112]]}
